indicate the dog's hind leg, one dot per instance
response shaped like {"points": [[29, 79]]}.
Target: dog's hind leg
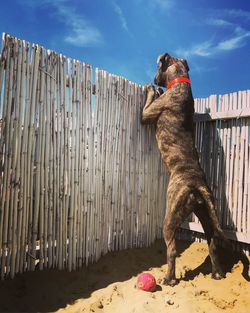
{"points": [[203, 215], [170, 227], [176, 214]]}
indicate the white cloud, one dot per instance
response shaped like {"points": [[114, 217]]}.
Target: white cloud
{"points": [[203, 49], [79, 30], [121, 16], [84, 36], [237, 41], [219, 22]]}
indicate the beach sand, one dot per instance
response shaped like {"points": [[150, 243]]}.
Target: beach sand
{"points": [[109, 285]]}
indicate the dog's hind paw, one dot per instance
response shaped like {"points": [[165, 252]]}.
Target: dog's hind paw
{"points": [[170, 282], [218, 275]]}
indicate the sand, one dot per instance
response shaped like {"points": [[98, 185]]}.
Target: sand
{"points": [[109, 285]]}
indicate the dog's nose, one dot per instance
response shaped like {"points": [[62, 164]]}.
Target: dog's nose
{"points": [[156, 80]]}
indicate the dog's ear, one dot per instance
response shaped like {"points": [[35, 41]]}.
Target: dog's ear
{"points": [[185, 64], [167, 59]]}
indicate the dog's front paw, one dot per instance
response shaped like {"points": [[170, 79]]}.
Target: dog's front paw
{"points": [[150, 88]]}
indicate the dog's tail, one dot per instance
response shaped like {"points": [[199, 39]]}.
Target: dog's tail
{"points": [[207, 196]]}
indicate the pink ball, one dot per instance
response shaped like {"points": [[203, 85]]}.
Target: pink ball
{"points": [[146, 282]]}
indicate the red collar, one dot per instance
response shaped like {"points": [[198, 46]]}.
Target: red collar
{"points": [[178, 80]]}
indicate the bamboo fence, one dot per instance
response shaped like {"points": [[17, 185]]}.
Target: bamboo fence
{"points": [[223, 143], [80, 176]]}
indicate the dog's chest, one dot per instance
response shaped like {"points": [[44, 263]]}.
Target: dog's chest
{"points": [[170, 119], [174, 128]]}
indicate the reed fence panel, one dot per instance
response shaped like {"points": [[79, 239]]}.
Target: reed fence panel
{"points": [[79, 174]]}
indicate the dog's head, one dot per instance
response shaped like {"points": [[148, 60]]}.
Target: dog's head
{"points": [[164, 61]]}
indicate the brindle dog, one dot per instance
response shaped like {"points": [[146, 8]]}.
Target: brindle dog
{"points": [[188, 191]]}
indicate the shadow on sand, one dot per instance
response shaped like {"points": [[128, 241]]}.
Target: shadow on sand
{"points": [[228, 260], [50, 290]]}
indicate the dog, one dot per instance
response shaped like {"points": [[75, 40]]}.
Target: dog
{"points": [[172, 112]]}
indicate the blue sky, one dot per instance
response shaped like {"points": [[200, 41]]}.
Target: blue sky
{"points": [[125, 37]]}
